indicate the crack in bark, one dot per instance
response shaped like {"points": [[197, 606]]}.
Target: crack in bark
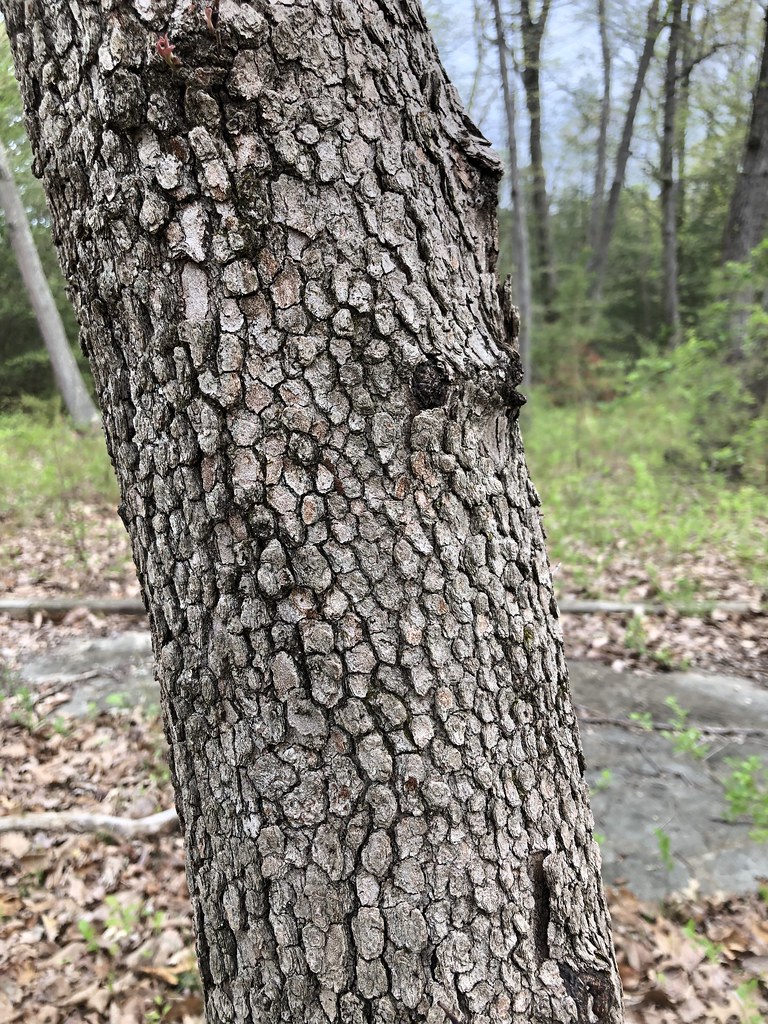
{"points": [[541, 906], [591, 991]]}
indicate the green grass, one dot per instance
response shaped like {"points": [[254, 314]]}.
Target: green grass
{"points": [[46, 465], [614, 477], [623, 475]]}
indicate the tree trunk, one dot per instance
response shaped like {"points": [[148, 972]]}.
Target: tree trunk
{"points": [[68, 378], [601, 154], [599, 259], [281, 228], [748, 212], [533, 33], [668, 182], [688, 62], [745, 229], [522, 282]]}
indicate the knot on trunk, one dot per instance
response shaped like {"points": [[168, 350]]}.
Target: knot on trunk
{"points": [[429, 385]]}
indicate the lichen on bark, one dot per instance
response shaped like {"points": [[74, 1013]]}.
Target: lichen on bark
{"points": [[282, 253]]}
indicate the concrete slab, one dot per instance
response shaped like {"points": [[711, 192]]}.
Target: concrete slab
{"points": [[645, 796]]}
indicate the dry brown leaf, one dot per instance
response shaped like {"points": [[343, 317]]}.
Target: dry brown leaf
{"points": [[82, 996], [15, 843], [12, 751], [10, 905], [166, 974], [692, 1009]]}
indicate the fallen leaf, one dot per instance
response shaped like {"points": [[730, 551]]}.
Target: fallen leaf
{"points": [[15, 843]]}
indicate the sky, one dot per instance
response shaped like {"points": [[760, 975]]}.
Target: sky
{"points": [[570, 64], [571, 82]]}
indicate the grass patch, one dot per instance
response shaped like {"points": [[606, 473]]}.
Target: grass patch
{"points": [[48, 466], [622, 475], [614, 477]]}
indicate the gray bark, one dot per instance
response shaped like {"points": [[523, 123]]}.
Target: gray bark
{"points": [[284, 252], [599, 259], [668, 195], [601, 154], [69, 380], [521, 286], [748, 212]]}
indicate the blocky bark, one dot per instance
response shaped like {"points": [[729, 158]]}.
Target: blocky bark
{"points": [[284, 256]]}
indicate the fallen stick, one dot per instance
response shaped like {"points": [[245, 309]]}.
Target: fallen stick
{"points": [[584, 715], [27, 607], [161, 824], [574, 606]]}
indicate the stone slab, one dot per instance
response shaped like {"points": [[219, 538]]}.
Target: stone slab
{"points": [[644, 794]]}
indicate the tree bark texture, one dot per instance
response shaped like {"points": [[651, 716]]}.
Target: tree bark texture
{"points": [[748, 212], [66, 373], [282, 231], [533, 33], [521, 251], [599, 261], [668, 180]]}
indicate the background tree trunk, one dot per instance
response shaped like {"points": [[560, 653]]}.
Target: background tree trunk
{"points": [[668, 180], [521, 251], [688, 62], [601, 154], [66, 373], [284, 249], [533, 33], [748, 212], [600, 256]]}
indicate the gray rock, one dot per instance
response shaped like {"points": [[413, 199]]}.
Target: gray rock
{"points": [[651, 796]]}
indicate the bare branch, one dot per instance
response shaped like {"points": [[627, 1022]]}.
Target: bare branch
{"points": [[160, 824]]}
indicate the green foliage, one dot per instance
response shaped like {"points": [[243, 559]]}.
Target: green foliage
{"points": [[117, 701], [712, 950], [643, 719], [747, 995], [123, 917], [665, 848], [159, 1013], [604, 780], [89, 933], [746, 791], [624, 474], [121, 921], [713, 413], [684, 738], [28, 373], [636, 640]]}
